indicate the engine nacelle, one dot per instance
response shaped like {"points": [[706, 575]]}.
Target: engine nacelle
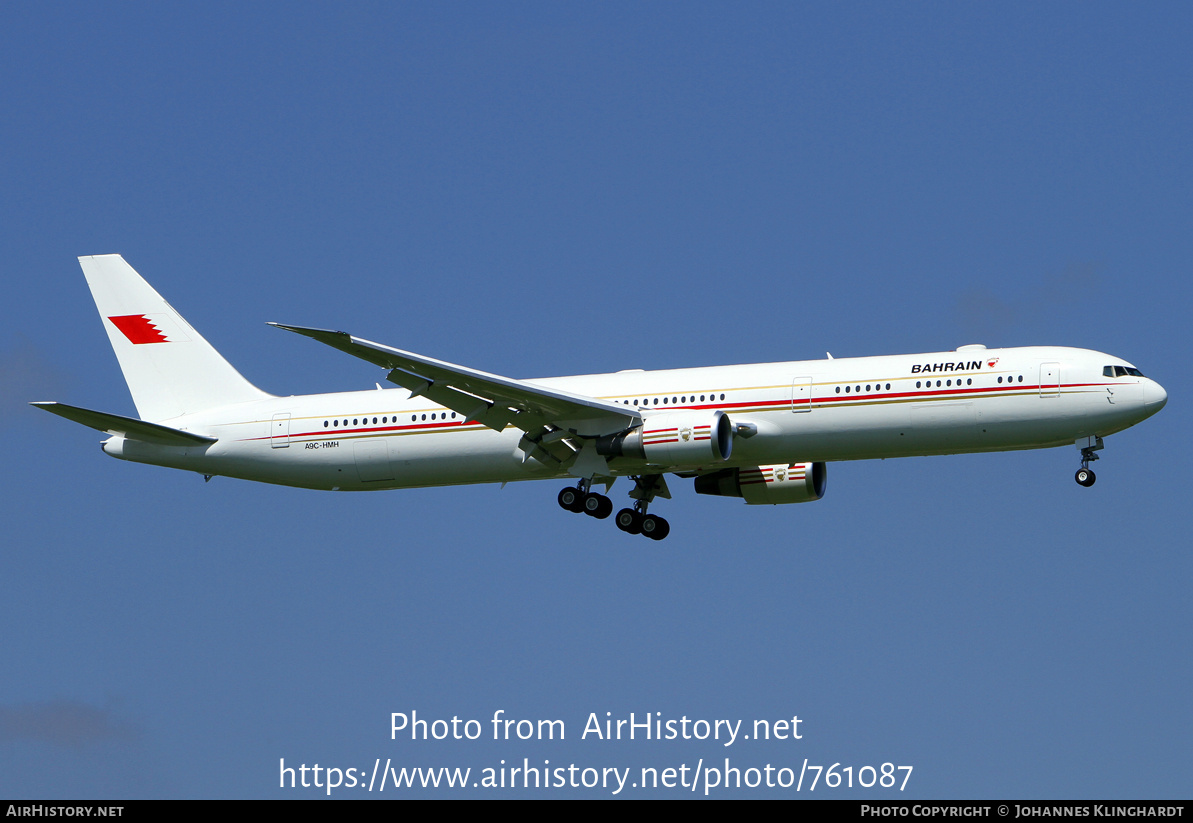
{"points": [[677, 438], [780, 483]]}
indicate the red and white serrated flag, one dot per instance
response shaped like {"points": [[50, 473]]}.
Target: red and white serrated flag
{"points": [[148, 328]]}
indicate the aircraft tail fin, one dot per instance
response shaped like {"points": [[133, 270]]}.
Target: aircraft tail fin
{"points": [[170, 369]]}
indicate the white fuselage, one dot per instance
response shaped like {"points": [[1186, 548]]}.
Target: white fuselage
{"points": [[972, 400]]}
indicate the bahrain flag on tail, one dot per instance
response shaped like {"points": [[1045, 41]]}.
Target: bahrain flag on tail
{"points": [[144, 328]]}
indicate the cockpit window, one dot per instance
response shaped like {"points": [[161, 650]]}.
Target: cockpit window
{"points": [[1121, 371]]}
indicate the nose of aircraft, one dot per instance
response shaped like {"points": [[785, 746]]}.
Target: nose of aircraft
{"points": [[1154, 396]]}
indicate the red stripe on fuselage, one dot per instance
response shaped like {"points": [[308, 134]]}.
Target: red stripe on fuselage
{"points": [[759, 405]]}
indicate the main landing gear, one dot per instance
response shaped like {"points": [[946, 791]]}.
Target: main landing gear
{"points": [[637, 521], [1089, 447], [580, 498]]}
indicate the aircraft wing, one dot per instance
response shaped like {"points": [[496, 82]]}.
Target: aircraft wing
{"points": [[548, 416], [126, 426]]}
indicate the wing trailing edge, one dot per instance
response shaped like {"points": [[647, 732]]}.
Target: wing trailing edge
{"points": [[489, 399]]}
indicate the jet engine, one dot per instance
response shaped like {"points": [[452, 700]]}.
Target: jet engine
{"points": [[780, 483], [674, 439]]}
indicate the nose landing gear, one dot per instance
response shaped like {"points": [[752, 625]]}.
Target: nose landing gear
{"points": [[1089, 447]]}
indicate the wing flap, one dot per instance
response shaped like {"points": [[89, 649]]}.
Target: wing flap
{"points": [[126, 426]]}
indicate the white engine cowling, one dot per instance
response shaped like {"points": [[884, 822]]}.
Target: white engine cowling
{"points": [[679, 438], [779, 483], [687, 437]]}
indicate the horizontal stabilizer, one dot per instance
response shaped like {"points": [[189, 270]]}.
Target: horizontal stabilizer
{"points": [[126, 426]]}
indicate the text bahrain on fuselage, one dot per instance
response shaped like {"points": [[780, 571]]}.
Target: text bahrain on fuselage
{"points": [[762, 432]]}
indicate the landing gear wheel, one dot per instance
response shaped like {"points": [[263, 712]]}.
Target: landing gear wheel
{"points": [[1089, 453], [571, 499], [629, 521], [598, 506], [656, 528]]}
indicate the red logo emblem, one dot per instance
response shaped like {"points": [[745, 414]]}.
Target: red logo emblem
{"points": [[992, 362], [139, 329]]}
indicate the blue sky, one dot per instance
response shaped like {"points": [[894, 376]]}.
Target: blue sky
{"points": [[544, 189]]}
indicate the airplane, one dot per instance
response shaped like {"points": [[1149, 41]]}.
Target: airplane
{"points": [[761, 432]]}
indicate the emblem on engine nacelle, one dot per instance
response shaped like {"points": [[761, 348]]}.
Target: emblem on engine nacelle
{"points": [[692, 438]]}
